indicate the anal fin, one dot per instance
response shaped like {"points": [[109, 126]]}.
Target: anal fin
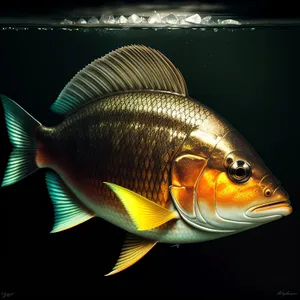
{"points": [[133, 250], [69, 212]]}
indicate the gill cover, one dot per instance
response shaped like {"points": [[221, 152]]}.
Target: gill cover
{"points": [[185, 172], [188, 171]]}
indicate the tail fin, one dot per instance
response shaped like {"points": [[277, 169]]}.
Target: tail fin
{"points": [[21, 128]]}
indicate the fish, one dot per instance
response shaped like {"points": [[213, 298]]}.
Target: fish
{"points": [[136, 150]]}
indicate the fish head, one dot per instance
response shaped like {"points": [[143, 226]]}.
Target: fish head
{"points": [[231, 190], [236, 190], [246, 189]]}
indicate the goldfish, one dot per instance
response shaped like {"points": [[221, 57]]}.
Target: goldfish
{"points": [[137, 151]]}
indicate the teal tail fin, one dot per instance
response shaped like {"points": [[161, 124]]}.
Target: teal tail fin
{"points": [[21, 128]]}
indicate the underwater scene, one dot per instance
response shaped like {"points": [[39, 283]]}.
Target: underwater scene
{"points": [[149, 155]]}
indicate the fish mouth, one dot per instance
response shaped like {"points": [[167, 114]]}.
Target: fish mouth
{"points": [[282, 208]]}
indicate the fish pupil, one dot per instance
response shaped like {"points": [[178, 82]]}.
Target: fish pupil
{"points": [[240, 172]]}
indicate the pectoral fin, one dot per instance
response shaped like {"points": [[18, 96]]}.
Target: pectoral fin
{"points": [[133, 250], [144, 213]]}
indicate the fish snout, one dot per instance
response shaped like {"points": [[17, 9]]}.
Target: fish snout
{"points": [[278, 203], [281, 202], [281, 195]]}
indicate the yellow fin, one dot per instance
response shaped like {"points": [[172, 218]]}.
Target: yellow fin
{"points": [[133, 250], [145, 214]]}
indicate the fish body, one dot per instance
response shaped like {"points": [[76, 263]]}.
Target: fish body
{"points": [[136, 150], [130, 139]]}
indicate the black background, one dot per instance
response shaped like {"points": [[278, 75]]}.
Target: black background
{"points": [[249, 77]]}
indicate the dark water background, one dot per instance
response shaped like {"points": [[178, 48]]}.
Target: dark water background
{"points": [[249, 76]]}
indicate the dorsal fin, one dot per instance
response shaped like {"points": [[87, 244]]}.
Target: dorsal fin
{"points": [[128, 68]]}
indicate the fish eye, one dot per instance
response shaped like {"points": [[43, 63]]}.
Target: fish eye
{"points": [[239, 171], [268, 192]]}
